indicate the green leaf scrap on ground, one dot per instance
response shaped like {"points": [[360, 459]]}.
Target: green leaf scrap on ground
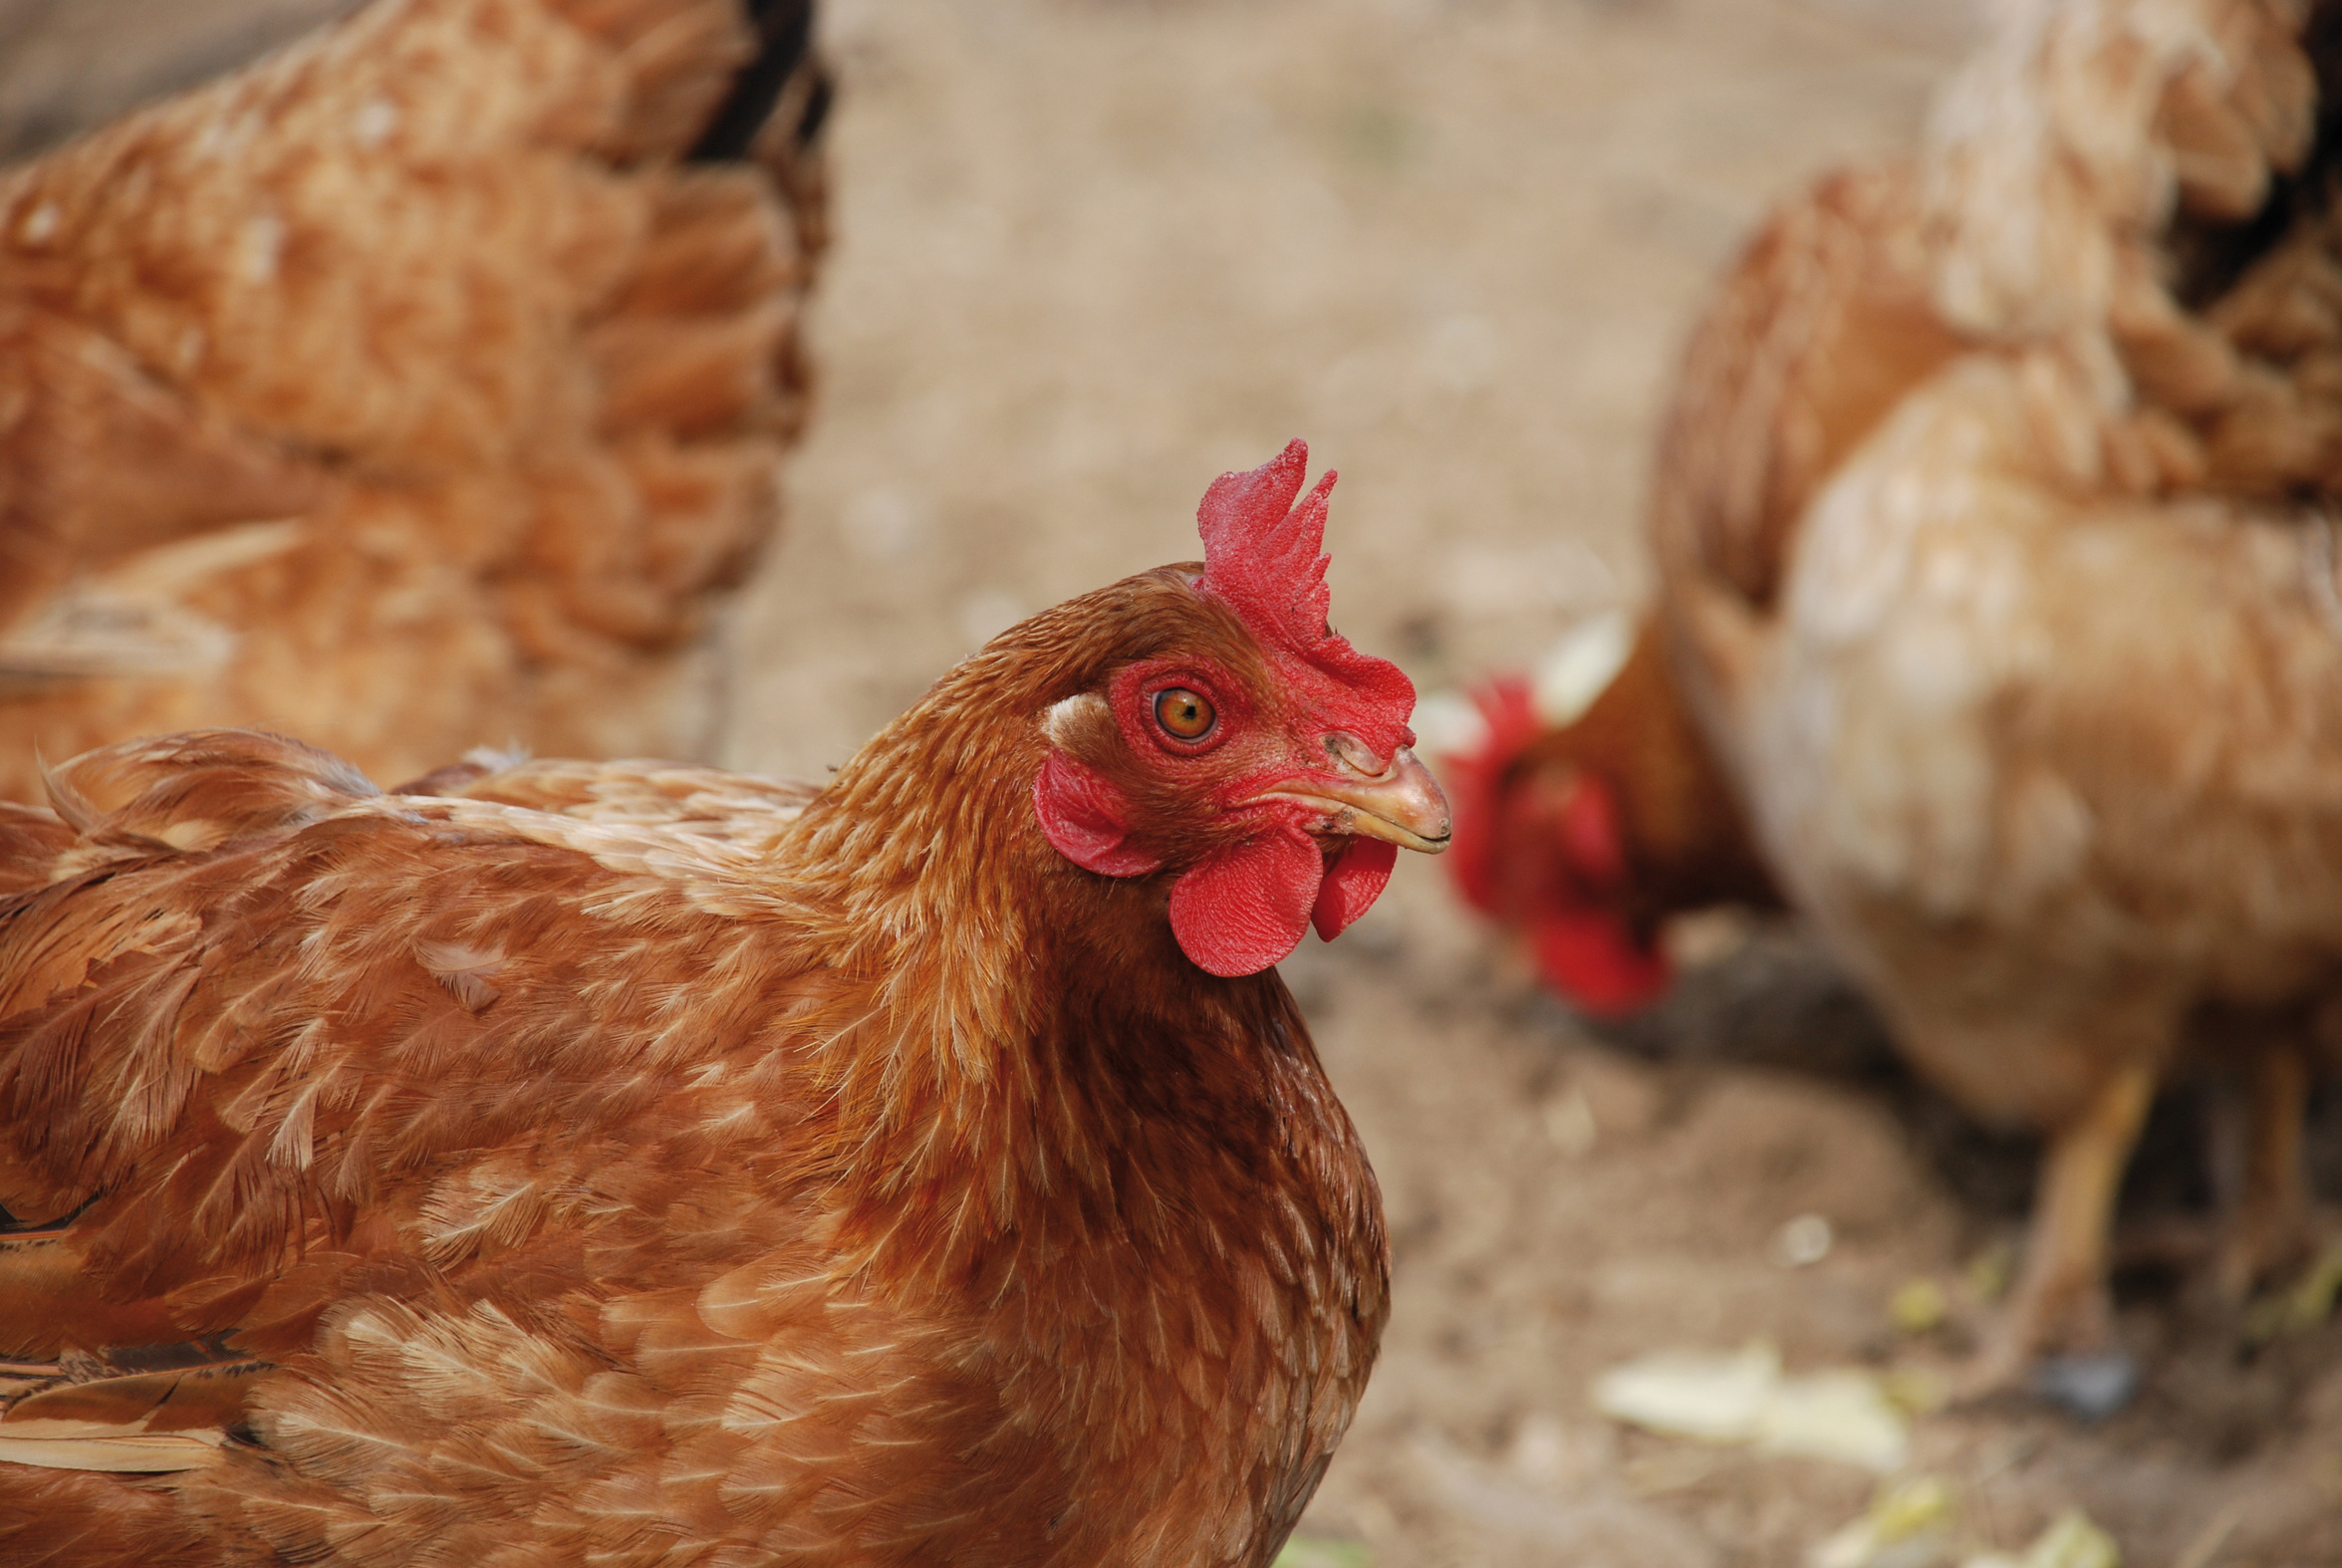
{"points": [[1919, 1306], [2309, 1302], [1987, 1275], [1303, 1552], [2071, 1541], [1914, 1522], [1908, 1525]]}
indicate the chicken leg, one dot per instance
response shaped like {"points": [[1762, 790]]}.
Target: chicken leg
{"points": [[2271, 1213], [2061, 1299]]}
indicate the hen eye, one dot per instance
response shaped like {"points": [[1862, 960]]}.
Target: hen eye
{"points": [[1185, 714]]}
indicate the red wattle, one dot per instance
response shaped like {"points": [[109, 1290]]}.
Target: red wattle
{"points": [[1593, 841], [1593, 958], [1083, 817], [1248, 906], [1352, 883]]}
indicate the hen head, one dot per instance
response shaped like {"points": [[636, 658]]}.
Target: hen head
{"points": [[1541, 844], [1241, 746]]}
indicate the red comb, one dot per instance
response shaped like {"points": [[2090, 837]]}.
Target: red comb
{"points": [[1263, 558], [1263, 555]]}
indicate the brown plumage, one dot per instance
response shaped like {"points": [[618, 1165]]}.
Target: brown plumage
{"points": [[412, 389], [1998, 577], [621, 1161]]}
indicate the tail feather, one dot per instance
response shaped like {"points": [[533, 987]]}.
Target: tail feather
{"points": [[712, 246], [784, 55]]}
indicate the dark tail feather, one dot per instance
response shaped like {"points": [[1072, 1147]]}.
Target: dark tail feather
{"points": [[784, 29]]}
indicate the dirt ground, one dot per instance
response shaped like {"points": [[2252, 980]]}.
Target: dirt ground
{"points": [[1093, 252]]}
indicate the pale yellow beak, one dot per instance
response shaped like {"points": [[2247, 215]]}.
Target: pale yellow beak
{"points": [[1401, 805]]}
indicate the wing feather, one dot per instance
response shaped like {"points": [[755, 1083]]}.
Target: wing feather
{"points": [[84, 1445], [423, 1269], [743, 809], [374, 1033]]}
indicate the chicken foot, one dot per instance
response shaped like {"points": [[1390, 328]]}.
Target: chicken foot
{"points": [[2270, 1220], [2262, 1218], [2061, 1299]]}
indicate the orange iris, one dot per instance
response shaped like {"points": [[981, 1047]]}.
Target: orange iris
{"points": [[1185, 714]]}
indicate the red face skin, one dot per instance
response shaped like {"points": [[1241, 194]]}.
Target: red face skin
{"points": [[1548, 853], [1288, 807], [1584, 940]]}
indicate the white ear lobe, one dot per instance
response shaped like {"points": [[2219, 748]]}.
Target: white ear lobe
{"points": [[1064, 720]]}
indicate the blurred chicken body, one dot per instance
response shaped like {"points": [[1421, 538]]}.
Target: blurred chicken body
{"points": [[2000, 595], [418, 388], [623, 1161]]}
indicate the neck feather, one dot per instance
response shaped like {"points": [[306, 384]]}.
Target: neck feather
{"points": [[1013, 1014]]}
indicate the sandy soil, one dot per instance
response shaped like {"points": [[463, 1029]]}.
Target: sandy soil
{"points": [[1093, 252]]}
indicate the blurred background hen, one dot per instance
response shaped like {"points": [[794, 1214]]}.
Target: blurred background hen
{"points": [[1997, 619], [420, 388], [1958, 604]]}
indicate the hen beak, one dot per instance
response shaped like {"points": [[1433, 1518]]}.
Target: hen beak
{"points": [[1401, 805]]}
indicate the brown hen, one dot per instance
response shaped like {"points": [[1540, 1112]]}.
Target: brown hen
{"points": [[626, 1163], [418, 388], [1998, 598]]}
